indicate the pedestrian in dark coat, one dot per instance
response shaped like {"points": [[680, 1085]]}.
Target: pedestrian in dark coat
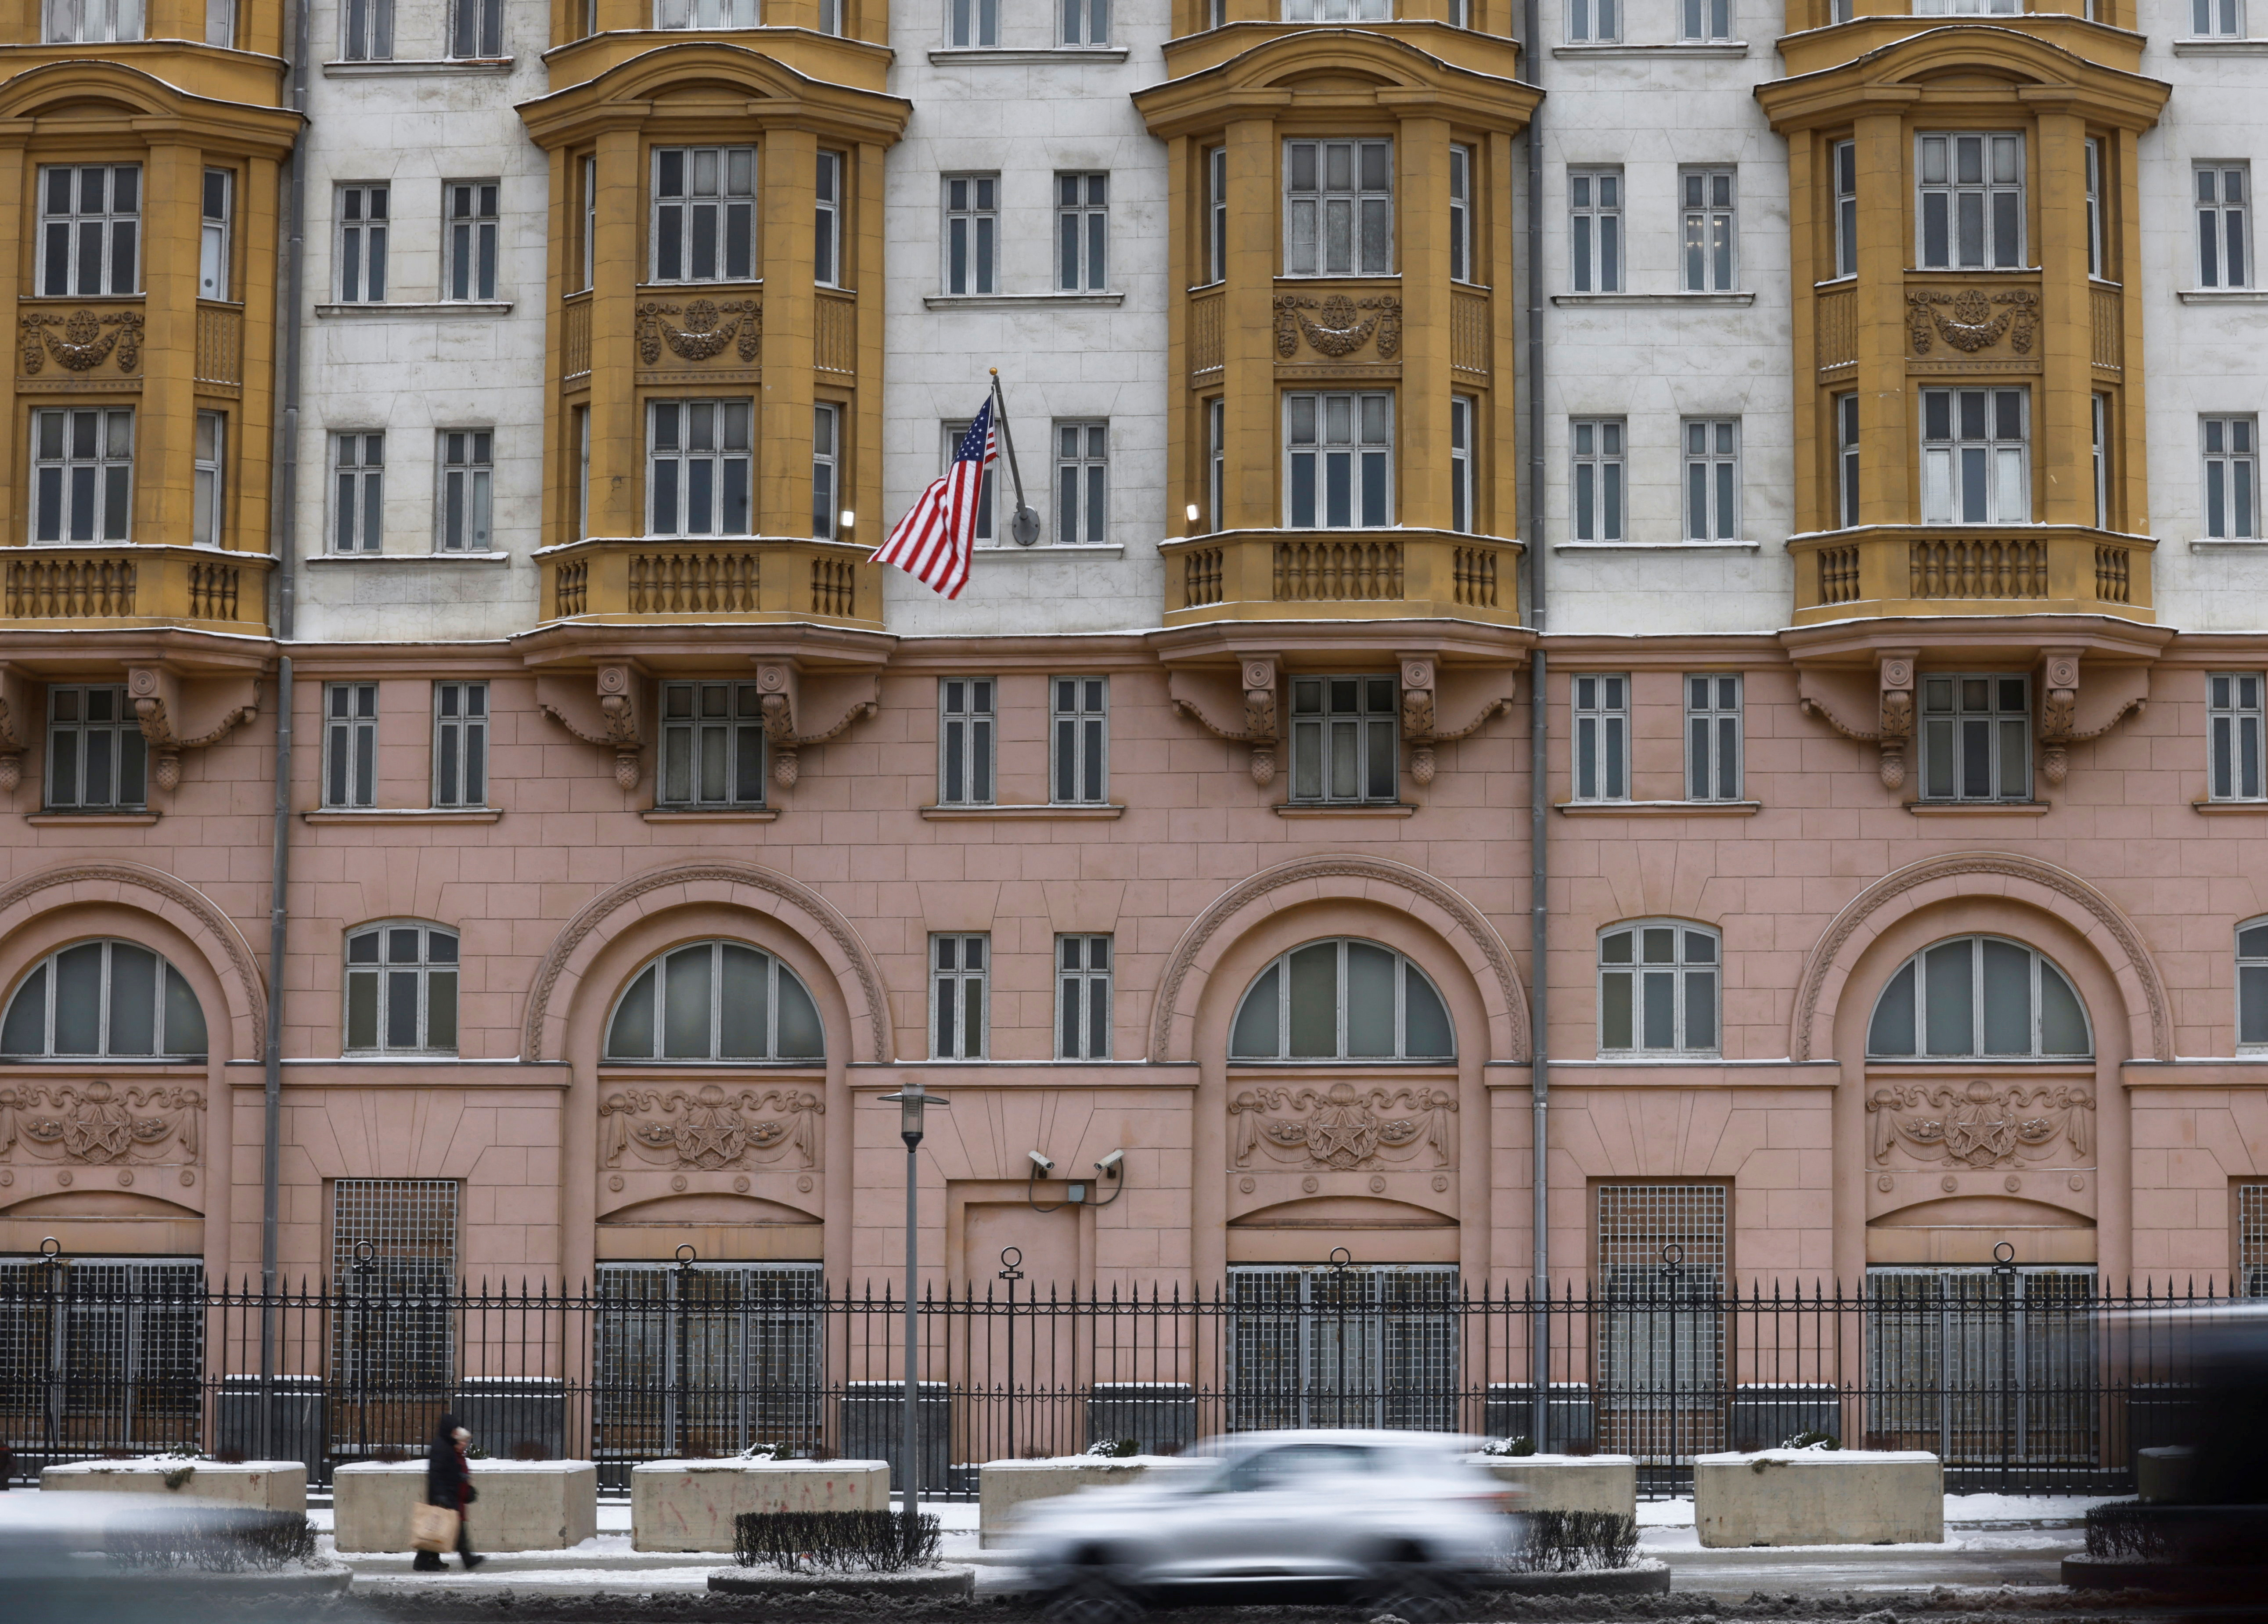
{"points": [[449, 1482]]}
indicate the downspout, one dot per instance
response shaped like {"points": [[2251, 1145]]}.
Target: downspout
{"points": [[283, 524], [1539, 796]]}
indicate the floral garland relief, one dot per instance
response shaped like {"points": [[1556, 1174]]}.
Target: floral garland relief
{"points": [[95, 1123], [705, 333], [1339, 328], [1981, 1125], [84, 345], [1974, 327], [711, 1127]]}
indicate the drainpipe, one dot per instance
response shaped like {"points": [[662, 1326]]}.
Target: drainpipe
{"points": [[1539, 794], [283, 523]]}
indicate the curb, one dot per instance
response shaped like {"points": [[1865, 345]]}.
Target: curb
{"points": [[953, 1580], [2095, 1573], [1646, 1578]]}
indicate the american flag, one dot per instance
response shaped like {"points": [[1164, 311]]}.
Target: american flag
{"points": [[933, 540]]}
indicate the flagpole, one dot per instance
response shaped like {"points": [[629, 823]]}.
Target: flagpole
{"points": [[1024, 527]]}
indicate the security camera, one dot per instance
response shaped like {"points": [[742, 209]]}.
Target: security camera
{"points": [[1040, 1166], [1108, 1166]]}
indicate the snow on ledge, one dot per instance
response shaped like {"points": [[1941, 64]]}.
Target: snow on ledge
{"points": [[1814, 1456]]}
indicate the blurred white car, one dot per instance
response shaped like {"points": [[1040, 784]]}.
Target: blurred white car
{"points": [[1400, 1518]]}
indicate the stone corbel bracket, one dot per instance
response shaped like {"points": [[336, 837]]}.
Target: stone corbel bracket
{"points": [[1838, 698], [792, 702], [1199, 696], [177, 715], [609, 713], [2072, 714], [1478, 696], [14, 726]]}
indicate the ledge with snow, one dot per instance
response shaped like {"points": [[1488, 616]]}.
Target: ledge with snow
{"points": [[272, 1485], [689, 1505], [1819, 1496], [1003, 1486], [1567, 1482], [523, 1505]]}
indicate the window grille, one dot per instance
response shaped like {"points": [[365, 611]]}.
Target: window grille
{"points": [[1082, 998], [394, 1264], [1365, 1346], [2252, 1240], [704, 213], [1661, 1268], [1977, 1372], [102, 1355], [707, 1360]]}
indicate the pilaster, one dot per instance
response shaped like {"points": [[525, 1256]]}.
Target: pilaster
{"points": [[2062, 429], [173, 177], [1885, 460], [789, 159], [617, 433], [1422, 432], [1247, 353]]}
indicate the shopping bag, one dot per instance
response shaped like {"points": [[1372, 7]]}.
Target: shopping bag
{"points": [[433, 1528]]}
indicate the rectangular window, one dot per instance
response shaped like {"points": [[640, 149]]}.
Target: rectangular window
{"points": [[827, 224], [2217, 20], [1217, 214], [2100, 422], [359, 486], [1602, 716], [476, 29], [1335, 11], [212, 235], [1596, 448], [712, 747], [1710, 229], [1086, 22], [704, 213], [1846, 208], [361, 252], [1712, 479], [1461, 214], [1595, 22], [1976, 464], [953, 434], [1595, 230], [965, 729], [830, 16], [1345, 739], [1971, 200], [1081, 742], [1082, 998], [91, 230], [1082, 230], [582, 432], [1976, 738], [1653, 1358], [394, 1330], [467, 482], [1713, 736], [97, 758], [826, 469], [697, 472], [207, 524], [1846, 458], [1971, 8], [2094, 257], [1463, 492], [349, 744], [366, 30], [957, 1025], [1317, 1345], [1707, 21], [1338, 208], [972, 25], [972, 229], [82, 474], [2232, 476], [589, 168], [91, 22], [2234, 725], [130, 1332], [2252, 1214], [2224, 242], [1338, 457], [1082, 484], [1217, 461], [704, 14], [460, 744], [471, 246], [1658, 989], [731, 1354]]}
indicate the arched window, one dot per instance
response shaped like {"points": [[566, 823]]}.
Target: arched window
{"points": [[716, 1000], [1341, 1000], [103, 1000], [402, 989], [1658, 981], [2252, 985], [1978, 998]]}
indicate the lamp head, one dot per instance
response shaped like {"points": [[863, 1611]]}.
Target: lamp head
{"points": [[911, 1101]]}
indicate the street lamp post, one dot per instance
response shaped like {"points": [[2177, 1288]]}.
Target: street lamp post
{"points": [[911, 1101]]}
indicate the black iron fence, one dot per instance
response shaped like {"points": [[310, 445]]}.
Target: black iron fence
{"points": [[2024, 1380]]}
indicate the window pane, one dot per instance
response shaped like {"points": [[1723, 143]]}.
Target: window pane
{"points": [[744, 1006], [1615, 1010], [1426, 1022], [2062, 1022], [800, 1034], [441, 1009], [401, 1009], [1950, 999], [1314, 974], [26, 1031], [2007, 999], [685, 1006], [362, 1010], [1660, 1010], [133, 999], [78, 999], [185, 1018], [1256, 1037], [1370, 1001], [1700, 1009], [1892, 1032], [2252, 1007]]}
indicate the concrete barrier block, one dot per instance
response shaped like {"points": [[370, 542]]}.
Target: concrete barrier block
{"points": [[1002, 1486], [271, 1484], [523, 1505], [689, 1505], [1567, 1482], [2165, 1476], [1819, 1497]]}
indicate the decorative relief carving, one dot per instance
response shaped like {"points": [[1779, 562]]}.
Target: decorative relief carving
{"points": [[1973, 326], [95, 1123], [176, 716], [1340, 328], [711, 1127], [1897, 717], [706, 332], [1980, 1125], [1257, 673], [850, 699], [84, 344], [1343, 1126]]}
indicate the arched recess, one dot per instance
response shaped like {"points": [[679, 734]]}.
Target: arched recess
{"points": [[220, 946], [796, 906], [1347, 878], [1935, 879]]}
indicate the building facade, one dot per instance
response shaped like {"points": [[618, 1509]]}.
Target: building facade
{"points": [[1881, 496]]}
